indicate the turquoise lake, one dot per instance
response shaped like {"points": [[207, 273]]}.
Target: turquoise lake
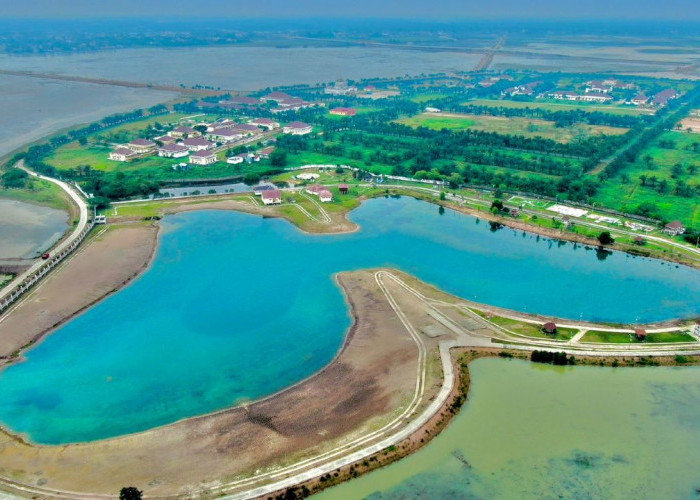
{"points": [[536, 432], [236, 307]]}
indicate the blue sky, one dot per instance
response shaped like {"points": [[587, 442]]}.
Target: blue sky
{"points": [[417, 9]]}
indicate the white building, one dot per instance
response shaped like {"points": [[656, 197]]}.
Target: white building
{"points": [[197, 144], [696, 330], [203, 158], [122, 154], [142, 146], [235, 160], [325, 196], [272, 197], [297, 128], [173, 151], [224, 135], [265, 123], [674, 228]]}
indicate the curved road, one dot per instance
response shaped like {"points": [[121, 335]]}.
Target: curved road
{"points": [[82, 223]]}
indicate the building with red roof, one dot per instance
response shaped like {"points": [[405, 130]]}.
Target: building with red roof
{"points": [[272, 197], [343, 111], [549, 328]]}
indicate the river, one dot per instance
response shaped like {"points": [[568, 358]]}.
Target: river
{"points": [[531, 431], [236, 307]]}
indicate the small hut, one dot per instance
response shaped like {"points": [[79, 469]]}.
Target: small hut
{"points": [[640, 334], [549, 328], [343, 188]]}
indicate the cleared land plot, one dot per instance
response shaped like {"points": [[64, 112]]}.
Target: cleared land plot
{"points": [[526, 127], [685, 151], [691, 123], [629, 338], [548, 105], [518, 200]]}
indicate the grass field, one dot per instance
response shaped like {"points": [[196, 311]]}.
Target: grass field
{"points": [[528, 329], [613, 109], [627, 196], [420, 99], [507, 125], [596, 336], [41, 193]]}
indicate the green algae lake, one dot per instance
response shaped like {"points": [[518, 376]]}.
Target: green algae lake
{"points": [[236, 307], [532, 431]]}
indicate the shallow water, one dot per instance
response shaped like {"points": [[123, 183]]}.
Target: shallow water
{"points": [[27, 229], [244, 68], [236, 307], [33, 108], [534, 431]]}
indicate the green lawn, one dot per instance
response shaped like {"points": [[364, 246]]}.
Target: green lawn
{"points": [[551, 105], [422, 98], [528, 329], [598, 336], [40, 192], [507, 125], [627, 196]]}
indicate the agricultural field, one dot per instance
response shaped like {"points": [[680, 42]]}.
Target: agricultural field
{"points": [[527, 127], [674, 157], [552, 105]]}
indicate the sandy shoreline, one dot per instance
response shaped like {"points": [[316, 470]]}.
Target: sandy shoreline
{"points": [[356, 391]]}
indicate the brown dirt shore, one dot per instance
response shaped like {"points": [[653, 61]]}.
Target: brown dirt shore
{"points": [[372, 376]]}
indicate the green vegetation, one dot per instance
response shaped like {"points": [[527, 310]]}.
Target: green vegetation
{"points": [[551, 105], [5, 279], [528, 329], [39, 192], [663, 181], [552, 358], [598, 336], [527, 127]]}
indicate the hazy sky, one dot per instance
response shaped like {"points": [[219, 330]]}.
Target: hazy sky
{"points": [[421, 9]]}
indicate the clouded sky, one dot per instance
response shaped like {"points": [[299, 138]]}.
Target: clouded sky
{"points": [[421, 9]]}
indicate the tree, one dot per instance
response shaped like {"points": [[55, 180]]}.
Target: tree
{"points": [[278, 158], [15, 178], [130, 493], [605, 238], [442, 195], [643, 180]]}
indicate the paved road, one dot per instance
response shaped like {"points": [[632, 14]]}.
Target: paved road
{"points": [[82, 223]]}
